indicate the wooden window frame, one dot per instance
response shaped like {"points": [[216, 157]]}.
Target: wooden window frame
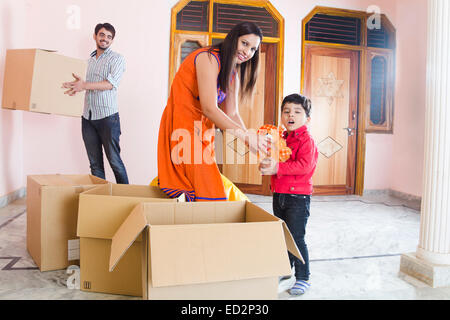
{"points": [[387, 126], [206, 37]]}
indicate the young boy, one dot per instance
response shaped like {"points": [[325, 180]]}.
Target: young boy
{"points": [[291, 181]]}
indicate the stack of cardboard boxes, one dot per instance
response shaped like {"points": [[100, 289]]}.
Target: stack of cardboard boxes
{"points": [[134, 240]]}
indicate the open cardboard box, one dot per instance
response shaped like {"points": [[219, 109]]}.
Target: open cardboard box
{"points": [[52, 211], [206, 250], [33, 80], [101, 212]]}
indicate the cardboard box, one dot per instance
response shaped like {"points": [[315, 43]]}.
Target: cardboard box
{"points": [[206, 250], [101, 212], [52, 211], [33, 81]]}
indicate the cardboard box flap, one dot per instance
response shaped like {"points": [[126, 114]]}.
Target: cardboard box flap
{"points": [[52, 180], [179, 213], [104, 208], [255, 213], [290, 243], [128, 190], [67, 180], [126, 235], [207, 212], [47, 50], [86, 179], [202, 253]]}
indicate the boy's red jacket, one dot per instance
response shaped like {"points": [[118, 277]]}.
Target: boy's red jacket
{"points": [[295, 175]]}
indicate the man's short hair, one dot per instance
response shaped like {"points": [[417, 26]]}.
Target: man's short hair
{"points": [[107, 26]]}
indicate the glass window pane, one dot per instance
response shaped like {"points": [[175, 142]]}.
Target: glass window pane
{"points": [[188, 47], [378, 91]]}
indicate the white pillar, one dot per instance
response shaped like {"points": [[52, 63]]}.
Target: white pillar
{"points": [[434, 242], [433, 251]]}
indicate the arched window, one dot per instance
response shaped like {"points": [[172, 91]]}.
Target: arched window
{"points": [[208, 21]]}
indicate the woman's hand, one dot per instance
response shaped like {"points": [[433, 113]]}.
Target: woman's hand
{"points": [[255, 142]]}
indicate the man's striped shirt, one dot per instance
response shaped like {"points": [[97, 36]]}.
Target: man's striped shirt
{"points": [[109, 66]]}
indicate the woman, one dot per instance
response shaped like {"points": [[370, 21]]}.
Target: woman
{"points": [[208, 77]]}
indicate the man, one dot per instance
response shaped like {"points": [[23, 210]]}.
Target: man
{"points": [[100, 120]]}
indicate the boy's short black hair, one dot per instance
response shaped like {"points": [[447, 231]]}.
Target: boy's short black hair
{"points": [[107, 26], [298, 99]]}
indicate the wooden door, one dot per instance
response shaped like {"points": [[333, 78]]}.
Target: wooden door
{"points": [[238, 164], [331, 81]]}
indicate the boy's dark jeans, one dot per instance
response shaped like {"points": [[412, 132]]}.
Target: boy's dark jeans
{"points": [[104, 132], [294, 210]]}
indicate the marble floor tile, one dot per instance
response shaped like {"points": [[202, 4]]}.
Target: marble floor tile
{"points": [[355, 244]]}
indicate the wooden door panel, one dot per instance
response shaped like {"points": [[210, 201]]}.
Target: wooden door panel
{"points": [[332, 84], [240, 166], [256, 111], [330, 95]]}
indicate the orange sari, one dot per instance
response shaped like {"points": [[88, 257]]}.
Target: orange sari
{"points": [[186, 162]]}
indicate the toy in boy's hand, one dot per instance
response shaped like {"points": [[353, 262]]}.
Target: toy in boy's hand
{"points": [[284, 152]]}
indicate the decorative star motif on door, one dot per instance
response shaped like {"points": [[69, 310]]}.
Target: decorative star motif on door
{"points": [[330, 88]]}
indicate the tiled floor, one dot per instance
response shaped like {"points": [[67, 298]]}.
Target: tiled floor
{"points": [[354, 242]]}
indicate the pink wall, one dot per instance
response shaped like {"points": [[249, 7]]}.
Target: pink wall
{"points": [[142, 93], [11, 136], [393, 161], [409, 127], [53, 144], [400, 156]]}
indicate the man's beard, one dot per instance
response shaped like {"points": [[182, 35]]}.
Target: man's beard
{"points": [[99, 46]]}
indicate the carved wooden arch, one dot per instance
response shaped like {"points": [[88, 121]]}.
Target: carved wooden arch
{"points": [[177, 37]]}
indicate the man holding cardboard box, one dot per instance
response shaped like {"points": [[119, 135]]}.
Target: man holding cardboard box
{"points": [[100, 119]]}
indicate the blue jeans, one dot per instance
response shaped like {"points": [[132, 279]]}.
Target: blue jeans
{"points": [[294, 210], [104, 133]]}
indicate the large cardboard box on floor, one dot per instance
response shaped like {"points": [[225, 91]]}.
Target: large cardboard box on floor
{"points": [[52, 211], [33, 80], [206, 250], [101, 212]]}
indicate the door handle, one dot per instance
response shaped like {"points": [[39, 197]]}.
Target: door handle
{"points": [[350, 131]]}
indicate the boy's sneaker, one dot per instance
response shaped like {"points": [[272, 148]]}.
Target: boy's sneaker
{"points": [[299, 288]]}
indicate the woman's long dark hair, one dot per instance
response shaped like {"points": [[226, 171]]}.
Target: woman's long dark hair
{"points": [[227, 51]]}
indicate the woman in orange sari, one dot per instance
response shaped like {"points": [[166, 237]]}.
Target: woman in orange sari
{"points": [[207, 78]]}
